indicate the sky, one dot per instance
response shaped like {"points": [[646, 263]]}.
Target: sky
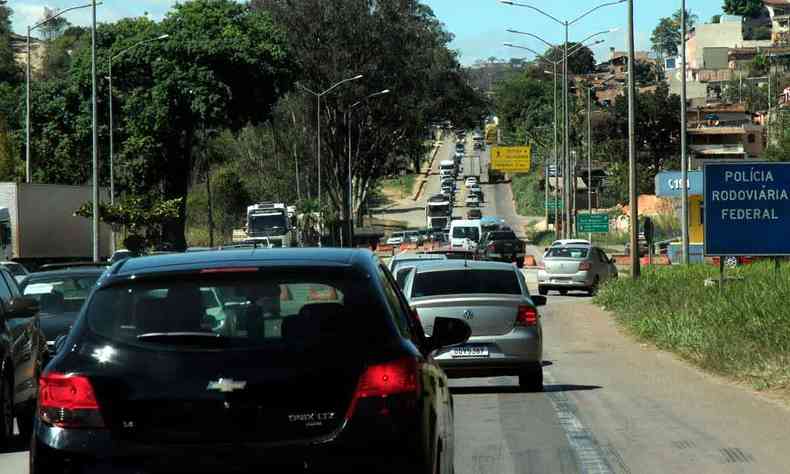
{"points": [[478, 25]]}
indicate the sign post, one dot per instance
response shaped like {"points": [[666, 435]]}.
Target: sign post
{"points": [[511, 159], [747, 209]]}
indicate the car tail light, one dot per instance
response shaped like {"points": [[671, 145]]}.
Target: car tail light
{"points": [[527, 316], [384, 380], [68, 401], [584, 266]]}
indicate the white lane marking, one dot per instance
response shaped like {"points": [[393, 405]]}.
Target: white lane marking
{"points": [[591, 459]]}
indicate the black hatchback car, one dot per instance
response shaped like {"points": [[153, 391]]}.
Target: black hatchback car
{"points": [[286, 360]]}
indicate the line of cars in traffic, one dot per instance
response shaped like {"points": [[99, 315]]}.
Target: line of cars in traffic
{"points": [[297, 360]]}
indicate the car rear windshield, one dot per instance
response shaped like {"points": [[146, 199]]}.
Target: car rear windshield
{"points": [[59, 294], [502, 236], [568, 252], [471, 233], [459, 282], [285, 310]]}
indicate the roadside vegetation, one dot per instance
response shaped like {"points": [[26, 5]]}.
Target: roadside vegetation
{"points": [[742, 332], [401, 186]]}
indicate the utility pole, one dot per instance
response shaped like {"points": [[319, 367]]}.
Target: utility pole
{"points": [[28, 178], [556, 158], [684, 165], [589, 155], [566, 139], [632, 174]]}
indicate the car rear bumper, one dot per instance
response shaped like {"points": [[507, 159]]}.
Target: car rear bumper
{"points": [[98, 454], [507, 354], [560, 281]]}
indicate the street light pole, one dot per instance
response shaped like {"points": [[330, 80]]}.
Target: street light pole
{"points": [[573, 51], [318, 96], [27, 111], [96, 250], [632, 172], [112, 58], [684, 165]]}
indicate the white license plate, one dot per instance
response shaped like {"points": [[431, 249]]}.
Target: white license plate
{"points": [[469, 352]]}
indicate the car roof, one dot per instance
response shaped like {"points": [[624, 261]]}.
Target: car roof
{"points": [[296, 257], [452, 264]]}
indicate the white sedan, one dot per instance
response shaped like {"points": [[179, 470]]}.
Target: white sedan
{"points": [[471, 181]]}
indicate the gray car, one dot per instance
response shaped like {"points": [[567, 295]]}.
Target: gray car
{"points": [[574, 268], [493, 299]]}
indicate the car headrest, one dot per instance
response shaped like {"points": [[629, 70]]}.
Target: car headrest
{"points": [[52, 302], [314, 322]]}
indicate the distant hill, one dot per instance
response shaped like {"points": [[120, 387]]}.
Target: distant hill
{"points": [[484, 75]]}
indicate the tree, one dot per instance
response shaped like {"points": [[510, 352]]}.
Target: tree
{"points": [[524, 103], [666, 35], [747, 8], [9, 170], [715, 19], [9, 69], [223, 67], [340, 39], [581, 62]]}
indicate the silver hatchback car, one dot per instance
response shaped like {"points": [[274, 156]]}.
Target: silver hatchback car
{"points": [[574, 267], [493, 299]]}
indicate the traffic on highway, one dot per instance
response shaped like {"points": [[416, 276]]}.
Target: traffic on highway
{"points": [[276, 236]]}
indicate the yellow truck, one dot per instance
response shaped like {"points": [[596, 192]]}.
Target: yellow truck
{"points": [[491, 132]]}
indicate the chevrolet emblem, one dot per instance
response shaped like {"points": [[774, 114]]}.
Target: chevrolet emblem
{"points": [[226, 385]]}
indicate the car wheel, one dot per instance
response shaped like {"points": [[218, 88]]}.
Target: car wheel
{"points": [[6, 412], [543, 291], [731, 262], [593, 290], [563, 292], [531, 379]]}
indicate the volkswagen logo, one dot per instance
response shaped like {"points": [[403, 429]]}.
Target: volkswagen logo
{"points": [[468, 314]]}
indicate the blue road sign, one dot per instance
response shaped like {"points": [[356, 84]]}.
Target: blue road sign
{"points": [[747, 208], [668, 184]]}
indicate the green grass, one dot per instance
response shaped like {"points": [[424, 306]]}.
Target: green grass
{"points": [[528, 194], [403, 184], [742, 332]]}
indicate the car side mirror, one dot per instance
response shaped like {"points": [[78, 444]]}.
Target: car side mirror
{"points": [[448, 332], [538, 300], [612, 261], [21, 307]]}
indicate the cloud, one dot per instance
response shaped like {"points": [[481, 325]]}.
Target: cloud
{"points": [[25, 14]]}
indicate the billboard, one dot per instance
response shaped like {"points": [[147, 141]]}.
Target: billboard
{"points": [[511, 159]]}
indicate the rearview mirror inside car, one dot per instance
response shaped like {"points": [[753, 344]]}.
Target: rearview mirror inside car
{"points": [[21, 307], [538, 300], [449, 332]]}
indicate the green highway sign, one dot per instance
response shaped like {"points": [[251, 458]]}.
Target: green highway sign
{"points": [[592, 223], [552, 205]]}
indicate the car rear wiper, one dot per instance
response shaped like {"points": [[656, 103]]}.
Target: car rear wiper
{"points": [[184, 338]]}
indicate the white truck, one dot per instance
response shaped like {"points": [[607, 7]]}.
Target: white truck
{"points": [[268, 224], [438, 211], [38, 225]]}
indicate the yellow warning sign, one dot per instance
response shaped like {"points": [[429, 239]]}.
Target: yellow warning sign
{"points": [[511, 159]]}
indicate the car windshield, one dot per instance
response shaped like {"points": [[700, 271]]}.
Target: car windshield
{"points": [[471, 233], [285, 310], [460, 282], [568, 252], [59, 294], [267, 224]]}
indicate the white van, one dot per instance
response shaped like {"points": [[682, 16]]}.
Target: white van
{"points": [[465, 234], [447, 168]]}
